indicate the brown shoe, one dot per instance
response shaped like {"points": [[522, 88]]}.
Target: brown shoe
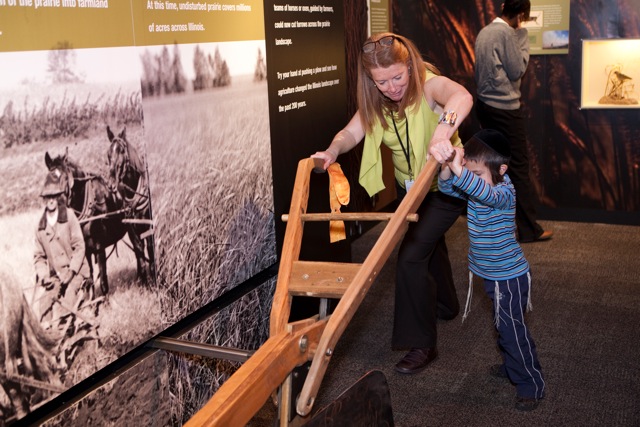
{"points": [[546, 235], [416, 360]]}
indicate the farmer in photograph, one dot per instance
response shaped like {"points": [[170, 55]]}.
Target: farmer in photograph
{"points": [[59, 253]]}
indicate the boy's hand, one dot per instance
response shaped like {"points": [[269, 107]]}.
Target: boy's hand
{"points": [[445, 171], [456, 163]]}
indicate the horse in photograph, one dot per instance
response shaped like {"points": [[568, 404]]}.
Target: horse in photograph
{"points": [[27, 352], [128, 180], [99, 211]]}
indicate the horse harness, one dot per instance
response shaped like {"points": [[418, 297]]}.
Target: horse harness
{"points": [[92, 203], [139, 201]]}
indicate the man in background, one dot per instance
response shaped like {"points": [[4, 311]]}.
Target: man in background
{"points": [[502, 56]]}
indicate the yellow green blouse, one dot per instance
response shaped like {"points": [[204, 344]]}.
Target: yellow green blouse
{"points": [[422, 124]]}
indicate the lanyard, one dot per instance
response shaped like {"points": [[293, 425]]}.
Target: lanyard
{"points": [[406, 152]]}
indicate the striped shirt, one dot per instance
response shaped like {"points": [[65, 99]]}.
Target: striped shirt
{"points": [[494, 253]]}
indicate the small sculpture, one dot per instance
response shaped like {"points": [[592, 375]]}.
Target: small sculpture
{"points": [[619, 88]]}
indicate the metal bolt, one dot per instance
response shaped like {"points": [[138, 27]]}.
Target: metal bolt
{"points": [[305, 276], [329, 352], [340, 279], [304, 343]]}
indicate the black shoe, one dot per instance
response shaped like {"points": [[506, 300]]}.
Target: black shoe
{"points": [[416, 360], [526, 403], [446, 314], [496, 371]]}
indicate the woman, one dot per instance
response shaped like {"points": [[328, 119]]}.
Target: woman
{"points": [[405, 104]]}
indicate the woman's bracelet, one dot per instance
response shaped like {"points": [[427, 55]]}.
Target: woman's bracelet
{"points": [[449, 117]]}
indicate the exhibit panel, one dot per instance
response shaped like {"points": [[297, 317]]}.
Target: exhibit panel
{"points": [[212, 193], [153, 124], [548, 27], [58, 106], [307, 103]]}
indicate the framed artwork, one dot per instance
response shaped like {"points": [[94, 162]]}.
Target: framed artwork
{"points": [[610, 73]]}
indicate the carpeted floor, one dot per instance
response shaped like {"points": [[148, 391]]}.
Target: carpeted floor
{"points": [[585, 321]]}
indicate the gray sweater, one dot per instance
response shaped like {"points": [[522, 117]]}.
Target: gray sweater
{"points": [[502, 56]]}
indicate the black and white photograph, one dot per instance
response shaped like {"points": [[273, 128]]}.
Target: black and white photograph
{"points": [[208, 147], [78, 259], [80, 160]]}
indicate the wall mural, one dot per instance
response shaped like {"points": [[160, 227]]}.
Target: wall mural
{"points": [[583, 161], [212, 198], [56, 129], [136, 188]]}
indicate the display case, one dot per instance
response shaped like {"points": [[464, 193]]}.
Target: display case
{"points": [[610, 73]]}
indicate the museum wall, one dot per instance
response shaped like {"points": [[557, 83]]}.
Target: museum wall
{"points": [[152, 123], [158, 126], [218, 136], [584, 161]]}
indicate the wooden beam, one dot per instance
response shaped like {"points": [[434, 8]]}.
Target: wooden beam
{"points": [[290, 345], [246, 391], [281, 305], [321, 279], [350, 216], [354, 295]]}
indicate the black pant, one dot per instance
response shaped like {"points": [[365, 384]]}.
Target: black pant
{"points": [[512, 124], [424, 281]]}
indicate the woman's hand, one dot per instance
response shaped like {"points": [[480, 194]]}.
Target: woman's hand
{"points": [[328, 157], [441, 149]]}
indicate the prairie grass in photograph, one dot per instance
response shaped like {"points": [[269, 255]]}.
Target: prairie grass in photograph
{"points": [[211, 188]]}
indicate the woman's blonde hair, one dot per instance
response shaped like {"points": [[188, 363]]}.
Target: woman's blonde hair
{"points": [[372, 104]]}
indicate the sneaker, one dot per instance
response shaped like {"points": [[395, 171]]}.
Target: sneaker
{"points": [[496, 371], [526, 403]]}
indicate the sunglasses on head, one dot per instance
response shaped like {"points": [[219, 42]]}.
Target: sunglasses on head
{"points": [[384, 42]]}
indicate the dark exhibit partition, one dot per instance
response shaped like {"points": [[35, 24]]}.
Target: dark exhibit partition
{"points": [[584, 163], [307, 105]]}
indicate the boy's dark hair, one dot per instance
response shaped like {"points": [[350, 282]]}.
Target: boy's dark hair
{"points": [[511, 8], [490, 147]]}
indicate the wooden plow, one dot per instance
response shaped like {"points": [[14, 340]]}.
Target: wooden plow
{"points": [[291, 345]]}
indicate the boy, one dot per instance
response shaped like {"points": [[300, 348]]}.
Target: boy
{"points": [[478, 174]]}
